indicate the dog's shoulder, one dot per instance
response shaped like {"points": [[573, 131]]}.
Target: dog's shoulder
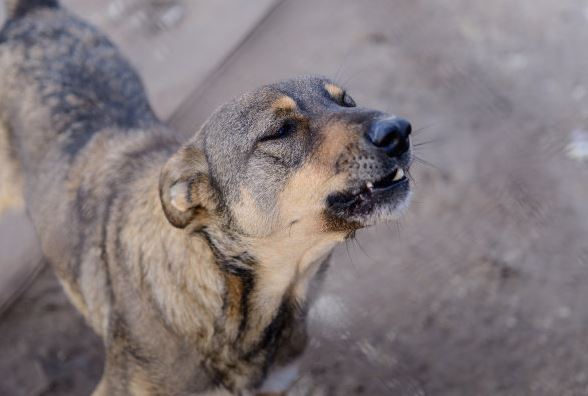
{"points": [[64, 69]]}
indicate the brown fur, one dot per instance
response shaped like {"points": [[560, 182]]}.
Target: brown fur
{"points": [[285, 103], [195, 261]]}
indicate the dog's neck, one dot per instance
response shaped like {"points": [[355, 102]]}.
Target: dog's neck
{"points": [[283, 262], [277, 269], [233, 295]]}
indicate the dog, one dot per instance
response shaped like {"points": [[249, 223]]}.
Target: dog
{"points": [[196, 262]]}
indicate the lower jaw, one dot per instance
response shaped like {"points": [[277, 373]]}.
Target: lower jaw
{"points": [[376, 207], [381, 214]]}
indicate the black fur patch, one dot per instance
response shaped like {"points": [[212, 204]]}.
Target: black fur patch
{"points": [[242, 266], [18, 8]]}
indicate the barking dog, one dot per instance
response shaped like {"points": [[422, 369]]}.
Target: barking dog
{"points": [[195, 262]]}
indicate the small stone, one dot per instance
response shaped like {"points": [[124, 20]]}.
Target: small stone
{"points": [[577, 148]]}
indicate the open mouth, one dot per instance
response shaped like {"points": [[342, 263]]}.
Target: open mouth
{"points": [[387, 190], [373, 201], [379, 188], [389, 181]]}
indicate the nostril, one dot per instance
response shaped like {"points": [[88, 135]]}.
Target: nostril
{"points": [[390, 135], [389, 140], [382, 133]]}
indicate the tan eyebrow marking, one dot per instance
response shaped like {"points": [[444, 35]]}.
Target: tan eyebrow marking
{"points": [[335, 91], [284, 103]]}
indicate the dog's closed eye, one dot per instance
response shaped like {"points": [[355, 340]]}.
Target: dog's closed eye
{"points": [[347, 101], [286, 129]]}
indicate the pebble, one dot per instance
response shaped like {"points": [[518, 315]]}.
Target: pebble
{"points": [[577, 148]]}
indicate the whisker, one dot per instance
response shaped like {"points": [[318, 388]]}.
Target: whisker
{"points": [[363, 250], [355, 268], [435, 140], [345, 82], [396, 226], [425, 162], [416, 202], [411, 177], [344, 62], [400, 224], [423, 128]]}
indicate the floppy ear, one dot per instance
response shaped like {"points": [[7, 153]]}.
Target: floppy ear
{"points": [[184, 188]]}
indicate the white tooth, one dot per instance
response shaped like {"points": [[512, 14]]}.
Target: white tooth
{"points": [[399, 174], [369, 185]]}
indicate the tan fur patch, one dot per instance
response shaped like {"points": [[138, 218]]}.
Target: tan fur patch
{"points": [[289, 257], [250, 216], [284, 103], [234, 292], [76, 298], [335, 91], [302, 199], [140, 384], [336, 138]]}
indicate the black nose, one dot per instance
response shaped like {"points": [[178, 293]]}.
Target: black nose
{"points": [[391, 135]]}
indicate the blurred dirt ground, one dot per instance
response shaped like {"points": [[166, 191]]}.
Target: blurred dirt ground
{"points": [[481, 288]]}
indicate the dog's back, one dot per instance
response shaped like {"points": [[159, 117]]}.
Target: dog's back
{"points": [[57, 75], [71, 108]]}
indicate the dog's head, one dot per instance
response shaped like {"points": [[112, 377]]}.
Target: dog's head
{"points": [[295, 151]]}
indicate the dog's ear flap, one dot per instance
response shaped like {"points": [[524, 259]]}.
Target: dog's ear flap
{"points": [[185, 190]]}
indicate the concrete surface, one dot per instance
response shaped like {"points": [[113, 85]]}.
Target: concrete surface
{"points": [[175, 44], [481, 288]]}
